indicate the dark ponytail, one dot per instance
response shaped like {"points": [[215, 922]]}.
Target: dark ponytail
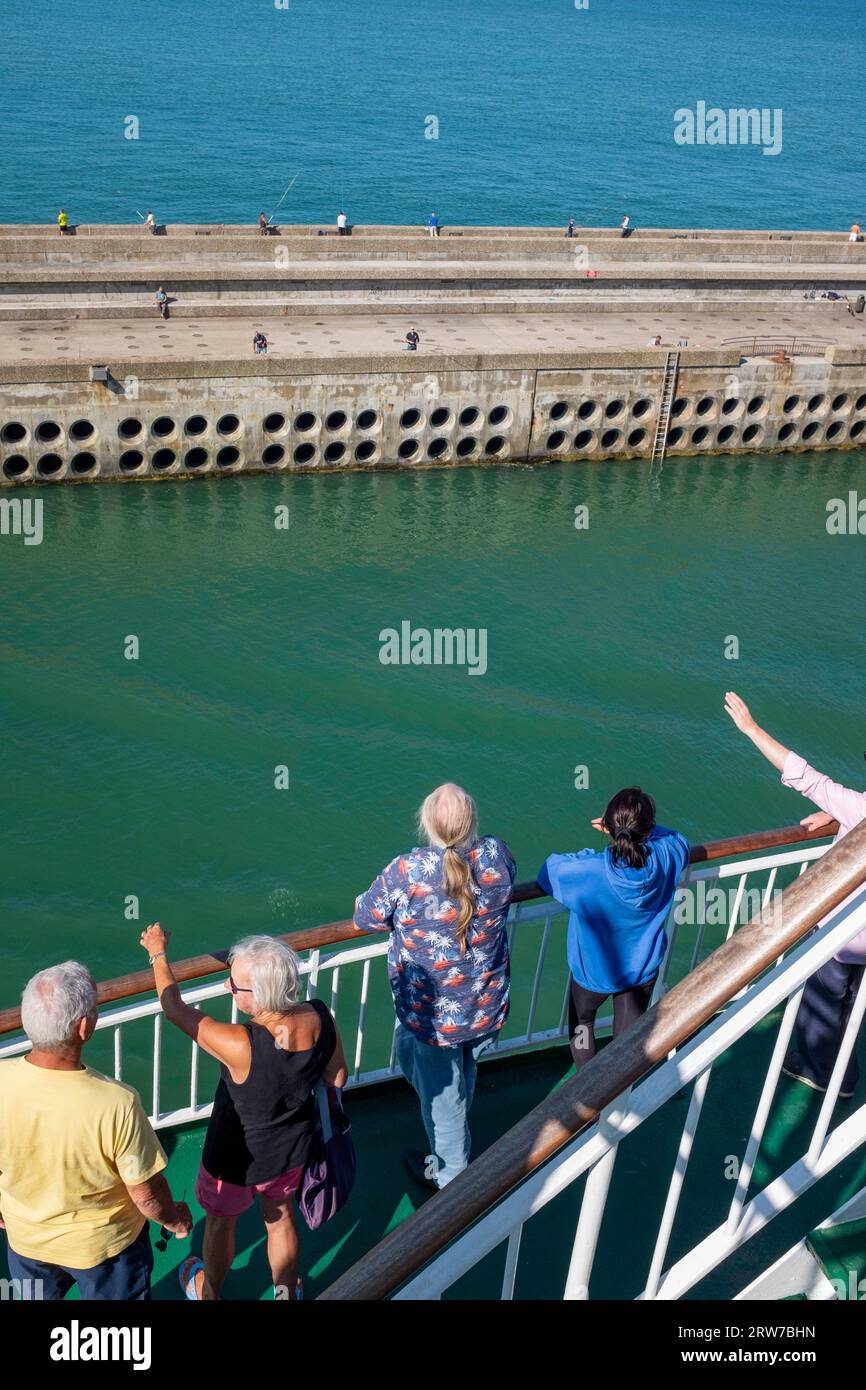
{"points": [[628, 818]]}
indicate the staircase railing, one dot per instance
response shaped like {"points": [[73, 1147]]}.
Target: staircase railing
{"points": [[578, 1129]]}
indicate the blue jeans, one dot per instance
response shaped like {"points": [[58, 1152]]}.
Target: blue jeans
{"points": [[444, 1078], [123, 1278]]}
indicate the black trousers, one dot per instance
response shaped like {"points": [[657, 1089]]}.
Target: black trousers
{"points": [[821, 1021], [584, 1004]]}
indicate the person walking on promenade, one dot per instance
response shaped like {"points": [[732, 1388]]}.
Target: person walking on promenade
{"points": [[433, 227], [413, 338], [618, 902], [262, 1133], [342, 224], [62, 222], [830, 993], [260, 343], [161, 301], [81, 1170], [445, 907]]}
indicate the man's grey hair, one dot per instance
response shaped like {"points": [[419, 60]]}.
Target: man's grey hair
{"points": [[54, 1002], [274, 972]]}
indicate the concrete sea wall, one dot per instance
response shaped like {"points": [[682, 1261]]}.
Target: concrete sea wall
{"points": [[186, 419]]}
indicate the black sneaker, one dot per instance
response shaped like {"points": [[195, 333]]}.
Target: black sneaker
{"points": [[793, 1066], [420, 1165]]}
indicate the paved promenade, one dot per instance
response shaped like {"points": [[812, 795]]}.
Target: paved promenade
{"points": [[377, 333]]}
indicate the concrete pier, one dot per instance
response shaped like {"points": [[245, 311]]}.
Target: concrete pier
{"points": [[533, 346]]}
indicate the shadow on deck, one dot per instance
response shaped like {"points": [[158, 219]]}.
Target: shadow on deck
{"points": [[386, 1120]]}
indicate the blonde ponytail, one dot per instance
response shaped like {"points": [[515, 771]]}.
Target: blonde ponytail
{"points": [[458, 885], [448, 818]]}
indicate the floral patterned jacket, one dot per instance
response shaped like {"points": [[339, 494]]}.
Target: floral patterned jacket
{"points": [[443, 997]]}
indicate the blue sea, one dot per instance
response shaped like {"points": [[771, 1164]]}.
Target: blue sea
{"points": [[544, 110]]}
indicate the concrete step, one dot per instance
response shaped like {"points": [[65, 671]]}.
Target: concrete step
{"points": [[158, 256], [817, 314], [474, 277]]}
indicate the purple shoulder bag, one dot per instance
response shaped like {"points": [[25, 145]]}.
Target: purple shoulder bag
{"points": [[330, 1174]]}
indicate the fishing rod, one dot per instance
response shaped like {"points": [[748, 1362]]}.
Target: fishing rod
{"points": [[282, 200]]}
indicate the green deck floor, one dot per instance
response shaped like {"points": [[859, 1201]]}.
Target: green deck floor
{"points": [[386, 1120]]}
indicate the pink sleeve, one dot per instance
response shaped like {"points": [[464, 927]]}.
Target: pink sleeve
{"points": [[843, 803]]}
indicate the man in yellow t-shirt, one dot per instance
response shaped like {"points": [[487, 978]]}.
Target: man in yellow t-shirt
{"points": [[80, 1165]]}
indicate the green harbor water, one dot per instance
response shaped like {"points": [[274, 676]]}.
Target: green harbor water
{"points": [[259, 648]]}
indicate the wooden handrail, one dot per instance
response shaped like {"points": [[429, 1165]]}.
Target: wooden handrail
{"points": [[197, 967], [579, 1101]]}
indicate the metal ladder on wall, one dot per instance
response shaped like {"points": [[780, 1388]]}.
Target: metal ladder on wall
{"points": [[663, 419]]}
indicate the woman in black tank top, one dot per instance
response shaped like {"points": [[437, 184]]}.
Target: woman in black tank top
{"points": [[264, 1126], [261, 1132]]}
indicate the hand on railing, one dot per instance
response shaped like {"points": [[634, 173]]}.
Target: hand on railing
{"points": [[818, 820]]}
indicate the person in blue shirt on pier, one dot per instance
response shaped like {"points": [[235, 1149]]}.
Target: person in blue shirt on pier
{"points": [[618, 901]]}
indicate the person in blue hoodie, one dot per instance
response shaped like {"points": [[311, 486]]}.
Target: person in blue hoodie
{"points": [[618, 902]]}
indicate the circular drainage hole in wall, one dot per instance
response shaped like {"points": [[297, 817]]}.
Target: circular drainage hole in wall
{"points": [[17, 466], [131, 461]]}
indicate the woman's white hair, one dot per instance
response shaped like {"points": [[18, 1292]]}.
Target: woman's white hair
{"points": [[274, 972], [54, 1002]]}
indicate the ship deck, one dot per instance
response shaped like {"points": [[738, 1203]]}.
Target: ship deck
{"points": [[385, 1120]]}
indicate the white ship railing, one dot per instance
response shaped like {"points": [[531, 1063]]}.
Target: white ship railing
{"points": [[595, 1150], [535, 927], [417, 1260]]}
